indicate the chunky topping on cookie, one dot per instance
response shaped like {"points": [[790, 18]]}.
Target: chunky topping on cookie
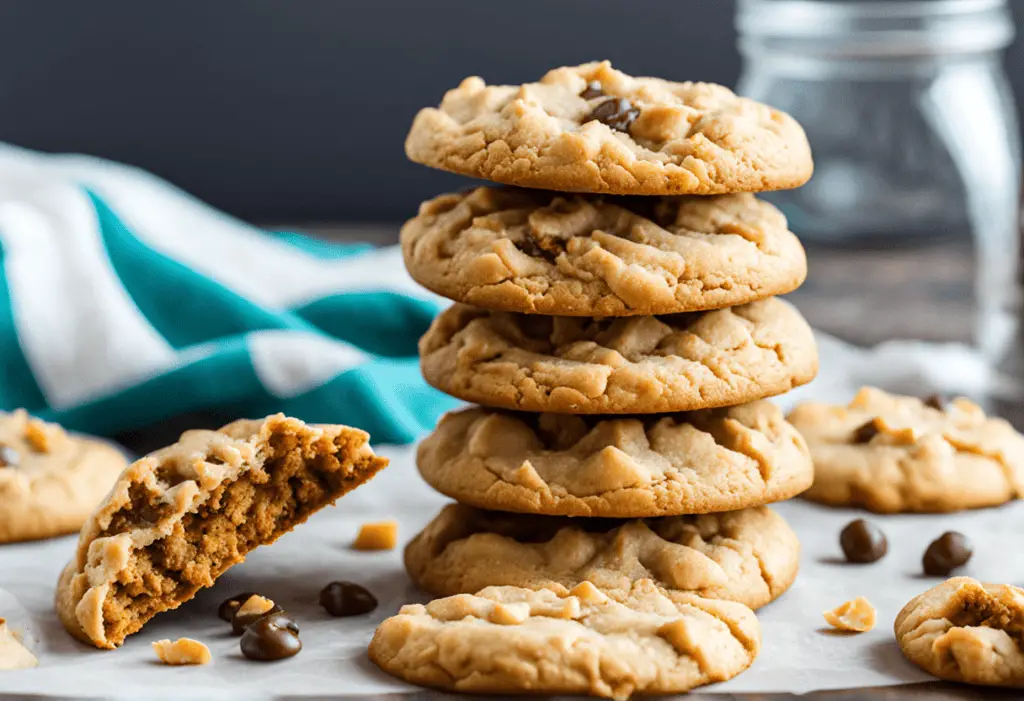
{"points": [[618, 113], [863, 542], [946, 553], [567, 642], [619, 366], [592, 90], [148, 548], [748, 556], [271, 638], [966, 631], [550, 253], [557, 464], [656, 137], [891, 453], [347, 599], [9, 457]]}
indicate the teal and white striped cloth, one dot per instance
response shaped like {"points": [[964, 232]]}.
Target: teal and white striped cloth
{"points": [[125, 301]]}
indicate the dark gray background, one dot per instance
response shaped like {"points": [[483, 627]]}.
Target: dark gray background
{"points": [[296, 110]]}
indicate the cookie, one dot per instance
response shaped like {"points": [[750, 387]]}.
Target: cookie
{"points": [[542, 252], [636, 365], [891, 454], [750, 556], [13, 653], [50, 482], [508, 640], [965, 631], [631, 467], [178, 518], [591, 128]]}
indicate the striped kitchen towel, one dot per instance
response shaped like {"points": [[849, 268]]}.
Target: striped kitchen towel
{"points": [[125, 301]]}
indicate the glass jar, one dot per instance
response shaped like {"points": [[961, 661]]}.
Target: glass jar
{"points": [[910, 220]]}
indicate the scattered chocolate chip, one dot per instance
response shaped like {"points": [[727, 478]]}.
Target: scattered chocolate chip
{"points": [[946, 553], [936, 401], [347, 599], [226, 611], [593, 89], [865, 432], [616, 112], [241, 623], [9, 457], [863, 542], [273, 637]]}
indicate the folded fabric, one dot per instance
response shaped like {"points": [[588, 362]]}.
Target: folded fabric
{"points": [[125, 301]]}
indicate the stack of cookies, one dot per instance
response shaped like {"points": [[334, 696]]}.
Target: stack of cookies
{"points": [[617, 326]]}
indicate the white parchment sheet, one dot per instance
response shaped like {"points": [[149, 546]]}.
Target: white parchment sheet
{"points": [[799, 652]]}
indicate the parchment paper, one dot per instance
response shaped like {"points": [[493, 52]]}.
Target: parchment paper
{"points": [[799, 654]]}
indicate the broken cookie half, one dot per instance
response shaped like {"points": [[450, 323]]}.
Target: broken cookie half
{"points": [[510, 640], [178, 518]]}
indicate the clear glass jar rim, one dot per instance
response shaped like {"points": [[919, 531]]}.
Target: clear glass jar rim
{"points": [[880, 27]]}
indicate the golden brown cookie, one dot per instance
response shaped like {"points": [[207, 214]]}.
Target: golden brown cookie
{"points": [[50, 482], [636, 365], [750, 556], [591, 128], [507, 640], [178, 518], [890, 454], [543, 252], [965, 631], [630, 467]]}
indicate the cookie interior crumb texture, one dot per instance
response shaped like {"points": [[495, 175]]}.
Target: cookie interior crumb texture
{"points": [[509, 640], [966, 631], [13, 653], [381, 535], [183, 651], [856, 616], [177, 519]]}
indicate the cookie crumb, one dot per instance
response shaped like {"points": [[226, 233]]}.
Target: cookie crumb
{"points": [[183, 651], [255, 604], [857, 616], [13, 653], [379, 535]]}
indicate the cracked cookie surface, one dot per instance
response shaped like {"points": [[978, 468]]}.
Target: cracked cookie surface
{"points": [[965, 631], [750, 556], [179, 518], [634, 365], [541, 252], [622, 135], [512, 640], [629, 467], [50, 482], [890, 453]]}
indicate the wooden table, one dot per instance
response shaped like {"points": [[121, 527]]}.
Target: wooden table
{"points": [[825, 300]]}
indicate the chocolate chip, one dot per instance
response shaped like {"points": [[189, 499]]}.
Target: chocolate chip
{"points": [[946, 553], [616, 112], [347, 599], [241, 623], [863, 542], [226, 611], [865, 432], [593, 89], [9, 457], [936, 401], [273, 637]]}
